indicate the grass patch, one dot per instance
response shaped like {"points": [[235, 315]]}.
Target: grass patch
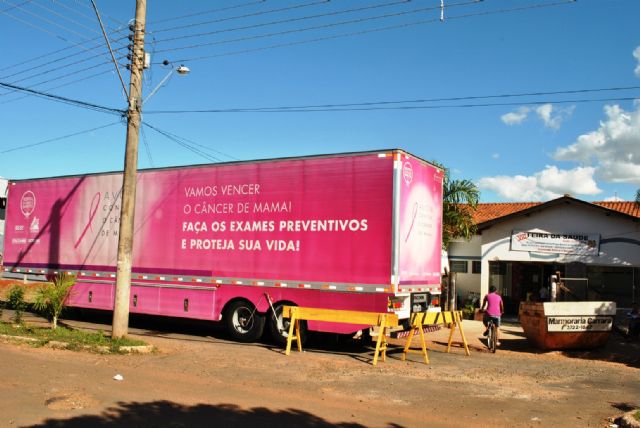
{"points": [[636, 415], [76, 339]]}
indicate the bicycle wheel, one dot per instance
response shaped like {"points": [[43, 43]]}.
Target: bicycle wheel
{"points": [[494, 338]]}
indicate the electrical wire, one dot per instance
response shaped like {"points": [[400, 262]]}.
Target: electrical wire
{"points": [[248, 15], [361, 32], [88, 17], [203, 147], [73, 55], [57, 87], [42, 56], [312, 28], [187, 144], [146, 146], [207, 12], [50, 140], [64, 100], [289, 20], [113, 56], [431, 107], [66, 18], [55, 24], [63, 76], [331, 107]]}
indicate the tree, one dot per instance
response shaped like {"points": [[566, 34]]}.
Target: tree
{"points": [[638, 196], [460, 199], [52, 297]]}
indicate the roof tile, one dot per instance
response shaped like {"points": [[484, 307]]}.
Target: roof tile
{"points": [[491, 211]]}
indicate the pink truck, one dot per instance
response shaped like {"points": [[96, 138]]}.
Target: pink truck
{"points": [[234, 242]]}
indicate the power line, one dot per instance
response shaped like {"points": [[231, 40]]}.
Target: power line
{"points": [[363, 32], [66, 18], [113, 56], [55, 24], [60, 67], [207, 12], [419, 107], [64, 100], [146, 146], [88, 17], [73, 55], [115, 20], [289, 20], [62, 77], [248, 15], [42, 56], [300, 30], [191, 145], [204, 147], [86, 131], [329, 107], [55, 87]]}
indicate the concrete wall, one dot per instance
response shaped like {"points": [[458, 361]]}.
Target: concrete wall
{"points": [[468, 251]]}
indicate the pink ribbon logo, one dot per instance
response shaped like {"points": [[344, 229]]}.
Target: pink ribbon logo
{"points": [[95, 204]]}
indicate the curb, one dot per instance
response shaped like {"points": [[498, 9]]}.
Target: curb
{"points": [[54, 344]]}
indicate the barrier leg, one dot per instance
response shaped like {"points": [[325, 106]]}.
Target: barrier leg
{"points": [[298, 338], [464, 339], [381, 337], [408, 344], [453, 328], [424, 345], [292, 324]]}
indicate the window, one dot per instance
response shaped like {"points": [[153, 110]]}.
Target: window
{"points": [[476, 266], [459, 266]]}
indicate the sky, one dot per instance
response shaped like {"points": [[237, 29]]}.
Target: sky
{"points": [[279, 78]]}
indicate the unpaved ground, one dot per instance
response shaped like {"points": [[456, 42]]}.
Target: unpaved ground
{"points": [[200, 380]]}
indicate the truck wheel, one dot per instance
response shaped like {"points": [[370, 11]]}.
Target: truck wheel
{"points": [[243, 322], [279, 326]]}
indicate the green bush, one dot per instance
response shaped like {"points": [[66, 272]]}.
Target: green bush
{"points": [[51, 298], [17, 303], [468, 311]]}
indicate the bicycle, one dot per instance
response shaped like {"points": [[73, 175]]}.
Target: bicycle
{"points": [[492, 336]]}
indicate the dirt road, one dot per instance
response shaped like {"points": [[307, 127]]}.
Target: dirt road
{"points": [[200, 380]]}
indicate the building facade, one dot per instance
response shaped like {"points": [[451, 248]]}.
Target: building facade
{"points": [[594, 248]]}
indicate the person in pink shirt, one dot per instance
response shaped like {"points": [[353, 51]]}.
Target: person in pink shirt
{"points": [[495, 309]]}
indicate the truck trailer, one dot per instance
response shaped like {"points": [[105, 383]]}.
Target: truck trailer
{"points": [[235, 242]]}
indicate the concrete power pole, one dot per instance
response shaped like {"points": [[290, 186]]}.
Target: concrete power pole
{"points": [[127, 211]]}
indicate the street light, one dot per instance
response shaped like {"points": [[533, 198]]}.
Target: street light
{"points": [[182, 70]]}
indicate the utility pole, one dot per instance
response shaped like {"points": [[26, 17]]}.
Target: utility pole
{"points": [[127, 210]]}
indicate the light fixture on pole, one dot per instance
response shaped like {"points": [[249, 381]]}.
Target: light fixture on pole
{"points": [[182, 70]]}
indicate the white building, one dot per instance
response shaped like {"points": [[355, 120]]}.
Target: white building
{"points": [[594, 246]]}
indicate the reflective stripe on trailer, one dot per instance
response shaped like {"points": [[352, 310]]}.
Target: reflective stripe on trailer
{"points": [[141, 279]]}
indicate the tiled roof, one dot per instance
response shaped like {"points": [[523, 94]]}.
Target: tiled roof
{"points": [[486, 212], [492, 211], [625, 207]]}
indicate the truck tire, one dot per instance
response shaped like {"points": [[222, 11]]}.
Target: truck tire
{"points": [[243, 322], [279, 327]]}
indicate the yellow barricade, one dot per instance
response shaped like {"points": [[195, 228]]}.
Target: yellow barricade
{"points": [[421, 319], [383, 320]]}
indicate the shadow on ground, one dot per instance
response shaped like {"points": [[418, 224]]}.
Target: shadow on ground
{"points": [[169, 414]]}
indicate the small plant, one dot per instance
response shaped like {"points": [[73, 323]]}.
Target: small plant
{"points": [[636, 415], [17, 303], [469, 311], [51, 298]]}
